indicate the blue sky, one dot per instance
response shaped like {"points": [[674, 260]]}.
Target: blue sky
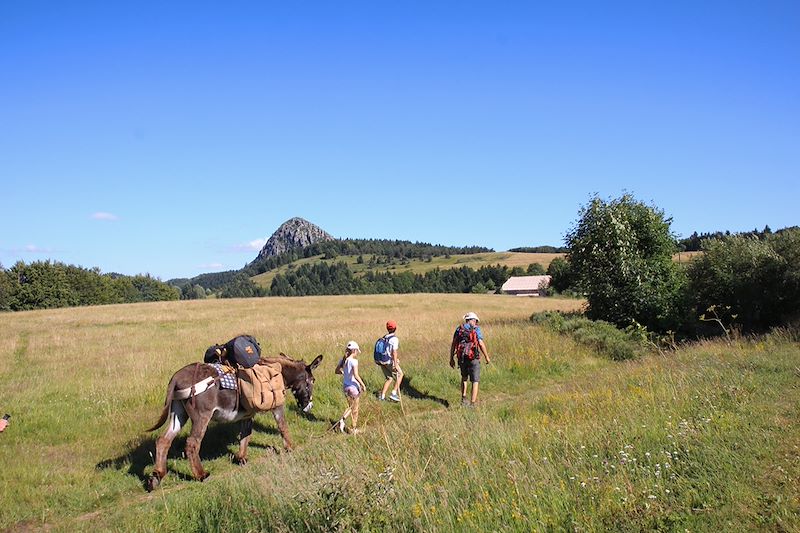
{"points": [[173, 138]]}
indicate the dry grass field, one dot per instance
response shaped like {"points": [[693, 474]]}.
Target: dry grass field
{"points": [[81, 384], [703, 439]]}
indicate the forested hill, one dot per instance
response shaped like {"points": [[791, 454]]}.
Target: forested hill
{"points": [[385, 248], [238, 283]]}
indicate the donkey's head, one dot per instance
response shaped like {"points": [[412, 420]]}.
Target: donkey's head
{"points": [[302, 383]]}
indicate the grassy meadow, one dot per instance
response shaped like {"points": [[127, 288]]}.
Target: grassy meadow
{"points": [[701, 439]]}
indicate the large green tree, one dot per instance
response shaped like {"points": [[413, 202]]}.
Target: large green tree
{"points": [[621, 256]]}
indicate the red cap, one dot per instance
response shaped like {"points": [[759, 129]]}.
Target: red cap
{"points": [[391, 325]]}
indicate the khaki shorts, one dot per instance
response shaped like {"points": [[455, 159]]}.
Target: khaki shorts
{"points": [[390, 371]]}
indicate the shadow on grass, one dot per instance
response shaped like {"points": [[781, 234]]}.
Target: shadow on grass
{"points": [[216, 444], [412, 392]]}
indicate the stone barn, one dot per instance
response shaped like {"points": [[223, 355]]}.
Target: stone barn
{"points": [[526, 285]]}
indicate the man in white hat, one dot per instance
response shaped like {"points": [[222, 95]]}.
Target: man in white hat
{"points": [[468, 346]]}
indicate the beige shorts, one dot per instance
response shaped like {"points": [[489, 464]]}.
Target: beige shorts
{"points": [[390, 371]]}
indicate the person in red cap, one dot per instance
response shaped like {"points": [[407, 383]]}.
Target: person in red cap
{"points": [[389, 361]]}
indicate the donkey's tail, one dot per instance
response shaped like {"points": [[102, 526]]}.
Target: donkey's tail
{"points": [[167, 405]]}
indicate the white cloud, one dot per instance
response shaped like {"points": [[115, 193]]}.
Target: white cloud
{"points": [[33, 249], [252, 246], [102, 215]]}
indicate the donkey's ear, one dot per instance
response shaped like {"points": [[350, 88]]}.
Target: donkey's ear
{"points": [[315, 363]]}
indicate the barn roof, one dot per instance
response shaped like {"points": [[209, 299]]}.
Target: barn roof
{"points": [[526, 283]]}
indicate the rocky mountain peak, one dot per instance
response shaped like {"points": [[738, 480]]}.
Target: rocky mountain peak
{"points": [[293, 234]]}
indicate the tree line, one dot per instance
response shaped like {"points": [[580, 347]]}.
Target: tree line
{"points": [[337, 278], [695, 241], [541, 249], [46, 285]]}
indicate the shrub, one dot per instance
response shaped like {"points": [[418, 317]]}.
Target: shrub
{"points": [[602, 336]]}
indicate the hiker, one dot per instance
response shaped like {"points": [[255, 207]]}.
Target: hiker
{"points": [[386, 350], [4, 422], [468, 346], [352, 384]]}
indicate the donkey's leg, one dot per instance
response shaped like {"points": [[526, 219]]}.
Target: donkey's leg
{"points": [[199, 427], [280, 419], [245, 432], [177, 418]]}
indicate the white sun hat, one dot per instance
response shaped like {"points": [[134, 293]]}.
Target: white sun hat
{"points": [[353, 346], [471, 316]]}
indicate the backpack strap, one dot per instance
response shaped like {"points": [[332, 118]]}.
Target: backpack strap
{"points": [[388, 337]]}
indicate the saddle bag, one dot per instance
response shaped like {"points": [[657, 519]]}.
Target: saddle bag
{"points": [[261, 387]]}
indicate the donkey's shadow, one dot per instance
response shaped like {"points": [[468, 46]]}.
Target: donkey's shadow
{"points": [[412, 392], [216, 443]]}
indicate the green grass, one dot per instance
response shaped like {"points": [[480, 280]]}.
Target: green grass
{"points": [[703, 439]]}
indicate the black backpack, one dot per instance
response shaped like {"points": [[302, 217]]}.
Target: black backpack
{"points": [[244, 350]]}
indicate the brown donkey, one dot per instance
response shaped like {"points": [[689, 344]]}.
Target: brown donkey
{"points": [[214, 403]]}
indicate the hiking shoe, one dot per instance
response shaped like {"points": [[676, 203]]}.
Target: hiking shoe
{"points": [[394, 397], [341, 426], [355, 431], [381, 398], [464, 401]]}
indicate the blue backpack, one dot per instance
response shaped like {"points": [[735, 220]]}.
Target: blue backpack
{"points": [[383, 353]]}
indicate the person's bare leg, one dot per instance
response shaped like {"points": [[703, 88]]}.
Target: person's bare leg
{"points": [[354, 402], [474, 392], [386, 387], [396, 389]]}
